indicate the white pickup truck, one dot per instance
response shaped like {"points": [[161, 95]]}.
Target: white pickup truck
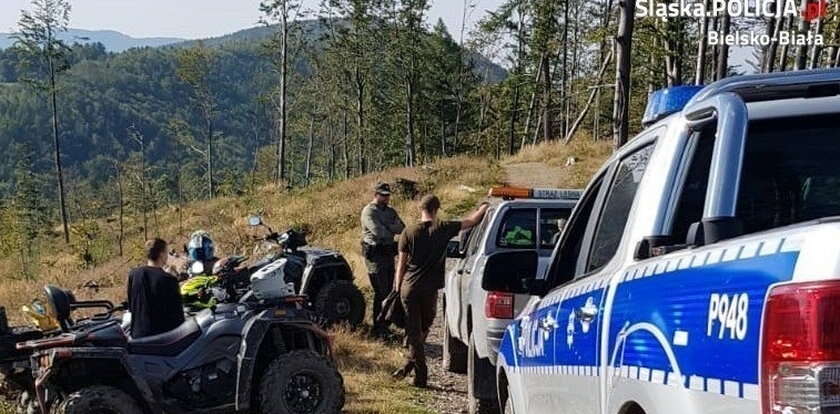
{"points": [[518, 220], [700, 272]]}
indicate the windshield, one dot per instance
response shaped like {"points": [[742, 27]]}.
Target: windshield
{"points": [[791, 172]]}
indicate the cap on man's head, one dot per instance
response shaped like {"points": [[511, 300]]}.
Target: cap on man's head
{"points": [[382, 189]]}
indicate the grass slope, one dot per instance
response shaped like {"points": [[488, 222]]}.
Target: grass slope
{"points": [[331, 213]]}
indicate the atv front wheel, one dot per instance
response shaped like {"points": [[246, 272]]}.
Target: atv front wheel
{"points": [[340, 301], [301, 382], [99, 399]]}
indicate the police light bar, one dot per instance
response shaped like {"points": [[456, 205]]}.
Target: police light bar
{"points": [[665, 102], [536, 193]]}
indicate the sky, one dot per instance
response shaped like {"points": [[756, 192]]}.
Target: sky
{"points": [[194, 19]]}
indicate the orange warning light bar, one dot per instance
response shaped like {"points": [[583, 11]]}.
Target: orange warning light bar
{"points": [[509, 193]]}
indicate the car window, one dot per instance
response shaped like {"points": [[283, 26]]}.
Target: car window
{"points": [[518, 229], [477, 234], [552, 222], [692, 198], [616, 211], [565, 257], [790, 172]]}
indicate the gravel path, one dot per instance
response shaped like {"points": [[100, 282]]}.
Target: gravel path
{"points": [[449, 390]]}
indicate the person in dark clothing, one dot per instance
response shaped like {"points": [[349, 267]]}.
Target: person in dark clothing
{"points": [[154, 297], [380, 223], [420, 274]]}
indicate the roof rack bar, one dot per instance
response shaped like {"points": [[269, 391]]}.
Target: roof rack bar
{"points": [[779, 85]]}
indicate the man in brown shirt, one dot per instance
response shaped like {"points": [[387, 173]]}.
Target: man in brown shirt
{"points": [[420, 274]]}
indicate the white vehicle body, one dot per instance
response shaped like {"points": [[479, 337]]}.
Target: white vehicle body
{"points": [[473, 333], [661, 327], [465, 298]]}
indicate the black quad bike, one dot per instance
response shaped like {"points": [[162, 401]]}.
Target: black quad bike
{"points": [[15, 366], [256, 356], [322, 276]]}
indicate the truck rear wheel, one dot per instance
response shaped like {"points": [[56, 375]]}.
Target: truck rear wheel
{"points": [[481, 383], [340, 301], [99, 399], [454, 351], [301, 382]]}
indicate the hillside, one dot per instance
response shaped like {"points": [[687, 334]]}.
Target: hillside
{"points": [[105, 98], [113, 41], [460, 182]]}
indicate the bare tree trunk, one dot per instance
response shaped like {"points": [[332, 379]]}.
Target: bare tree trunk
{"points": [[442, 131], [531, 105], [723, 50], [57, 144], [702, 46], [514, 115], [360, 117], [330, 142], [309, 144], [548, 119], [409, 122], [773, 29], [834, 54], [211, 188], [121, 233], [624, 42], [284, 56], [804, 28], [564, 88], [344, 144], [673, 55], [592, 95], [514, 106], [783, 55], [816, 50]]}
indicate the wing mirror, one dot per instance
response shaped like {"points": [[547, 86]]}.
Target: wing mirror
{"points": [[513, 272], [453, 250]]}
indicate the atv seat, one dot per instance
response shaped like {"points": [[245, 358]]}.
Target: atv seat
{"points": [[169, 343]]}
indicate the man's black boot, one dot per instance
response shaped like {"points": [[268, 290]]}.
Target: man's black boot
{"points": [[421, 376]]}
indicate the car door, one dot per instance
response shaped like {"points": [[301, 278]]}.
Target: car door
{"points": [[577, 365], [539, 331], [459, 276]]}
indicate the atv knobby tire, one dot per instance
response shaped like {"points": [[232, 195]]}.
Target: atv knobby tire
{"points": [[99, 399], [301, 382], [340, 301]]}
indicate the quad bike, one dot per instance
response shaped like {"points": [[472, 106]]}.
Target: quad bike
{"points": [[259, 355], [15, 366], [322, 276]]}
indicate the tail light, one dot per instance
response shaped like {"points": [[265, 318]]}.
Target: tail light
{"points": [[800, 370], [499, 305]]}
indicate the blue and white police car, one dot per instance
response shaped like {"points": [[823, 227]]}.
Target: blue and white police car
{"points": [[700, 271]]}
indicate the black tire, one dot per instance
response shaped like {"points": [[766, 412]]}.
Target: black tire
{"points": [[340, 301], [290, 375], [99, 399], [480, 373], [454, 351]]}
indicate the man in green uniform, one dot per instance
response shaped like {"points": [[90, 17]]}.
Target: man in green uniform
{"points": [[380, 224], [420, 274]]}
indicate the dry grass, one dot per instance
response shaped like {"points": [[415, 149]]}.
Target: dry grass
{"points": [[331, 213]]}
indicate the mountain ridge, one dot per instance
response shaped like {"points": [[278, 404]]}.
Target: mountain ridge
{"points": [[113, 40]]}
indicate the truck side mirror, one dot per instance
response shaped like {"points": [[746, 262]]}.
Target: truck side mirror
{"points": [[453, 250], [512, 272]]}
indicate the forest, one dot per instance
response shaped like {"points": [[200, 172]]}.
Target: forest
{"points": [[317, 95]]}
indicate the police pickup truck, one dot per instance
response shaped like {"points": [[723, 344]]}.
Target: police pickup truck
{"points": [[700, 272], [518, 220]]}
